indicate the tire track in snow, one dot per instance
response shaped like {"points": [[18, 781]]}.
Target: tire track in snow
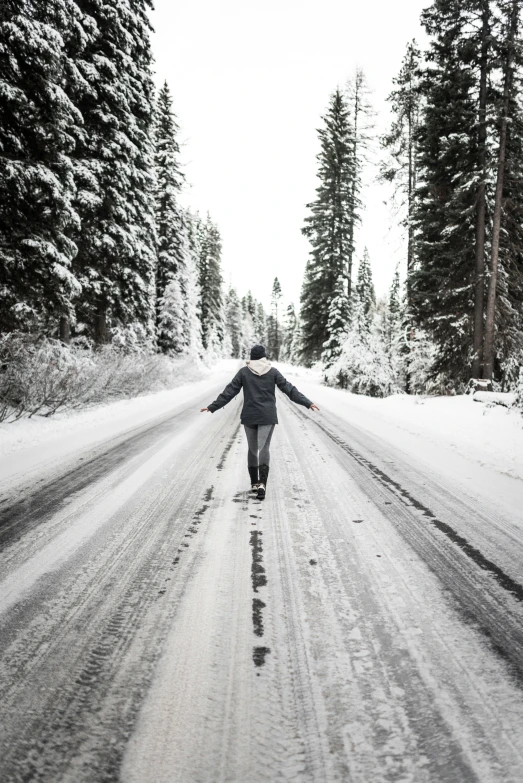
{"points": [[78, 657], [35, 507], [426, 683], [474, 581], [139, 646]]}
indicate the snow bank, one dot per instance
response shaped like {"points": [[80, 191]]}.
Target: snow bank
{"points": [[495, 398], [489, 436], [71, 430]]}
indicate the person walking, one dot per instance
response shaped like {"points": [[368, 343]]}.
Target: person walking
{"points": [[259, 379]]}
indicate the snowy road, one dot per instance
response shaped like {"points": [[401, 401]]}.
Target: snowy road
{"points": [[364, 623]]}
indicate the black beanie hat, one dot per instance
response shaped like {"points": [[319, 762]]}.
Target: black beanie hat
{"points": [[258, 352]]}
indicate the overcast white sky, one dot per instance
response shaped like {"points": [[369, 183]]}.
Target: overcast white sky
{"points": [[250, 81]]}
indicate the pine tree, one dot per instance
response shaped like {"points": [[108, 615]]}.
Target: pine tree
{"points": [[274, 330], [337, 328], [260, 325], [296, 351], [329, 226], [397, 332], [172, 233], [189, 276], [288, 334], [509, 289], [365, 293], [442, 283], [401, 143], [211, 285], [394, 304], [469, 115], [361, 116], [114, 169], [233, 322], [38, 125], [179, 330], [510, 55]]}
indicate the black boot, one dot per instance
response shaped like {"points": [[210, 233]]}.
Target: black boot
{"points": [[262, 486], [253, 473]]}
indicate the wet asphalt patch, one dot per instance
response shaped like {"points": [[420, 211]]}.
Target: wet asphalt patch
{"points": [[257, 570], [257, 615], [259, 654], [259, 579], [228, 447]]}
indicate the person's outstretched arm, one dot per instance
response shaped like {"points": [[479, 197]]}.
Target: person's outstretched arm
{"points": [[292, 392], [230, 391]]}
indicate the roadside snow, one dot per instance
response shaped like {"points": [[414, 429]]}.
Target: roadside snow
{"points": [[29, 442], [489, 436]]}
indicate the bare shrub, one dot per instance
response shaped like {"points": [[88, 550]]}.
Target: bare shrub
{"points": [[39, 376]]}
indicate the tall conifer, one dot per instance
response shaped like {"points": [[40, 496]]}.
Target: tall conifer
{"points": [[361, 117], [170, 224], [211, 284], [38, 125], [328, 227], [115, 172]]}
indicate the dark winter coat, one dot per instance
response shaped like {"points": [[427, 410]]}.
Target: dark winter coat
{"points": [[259, 395]]}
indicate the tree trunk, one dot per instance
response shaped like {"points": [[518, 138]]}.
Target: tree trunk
{"points": [[479, 283], [490, 322], [353, 188], [65, 330], [100, 324], [410, 230]]}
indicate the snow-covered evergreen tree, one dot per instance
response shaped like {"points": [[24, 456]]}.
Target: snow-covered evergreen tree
{"points": [[189, 275], [460, 128], [442, 281], [400, 144], [397, 330], [363, 366], [179, 327], [260, 325], [289, 330], [38, 126], [421, 359], [114, 169], [329, 227], [171, 229], [365, 296], [274, 328], [361, 116], [337, 328], [211, 284], [509, 141], [234, 322]]}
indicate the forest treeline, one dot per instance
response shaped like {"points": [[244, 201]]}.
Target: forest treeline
{"points": [[454, 158], [99, 255]]}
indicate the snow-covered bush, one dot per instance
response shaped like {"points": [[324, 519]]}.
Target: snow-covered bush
{"points": [[513, 377], [421, 356], [39, 376], [363, 367], [215, 348], [131, 339]]}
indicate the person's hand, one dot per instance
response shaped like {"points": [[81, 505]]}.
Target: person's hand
{"points": [[314, 407], [202, 410]]}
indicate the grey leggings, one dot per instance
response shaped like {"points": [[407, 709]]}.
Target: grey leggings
{"points": [[259, 440]]}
